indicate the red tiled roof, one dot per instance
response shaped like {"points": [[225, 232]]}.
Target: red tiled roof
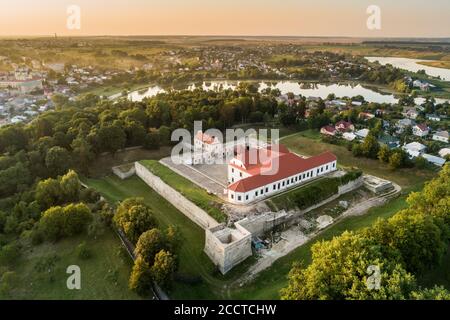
{"points": [[422, 127], [253, 159], [289, 165], [343, 125], [329, 129]]}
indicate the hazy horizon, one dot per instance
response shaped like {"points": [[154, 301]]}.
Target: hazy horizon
{"points": [[262, 18]]}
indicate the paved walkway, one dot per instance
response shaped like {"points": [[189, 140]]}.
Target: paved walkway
{"points": [[197, 177]]}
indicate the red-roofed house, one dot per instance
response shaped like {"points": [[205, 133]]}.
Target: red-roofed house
{"points": [[328, 130], [255, 174], [420, 130], [344, 126]]}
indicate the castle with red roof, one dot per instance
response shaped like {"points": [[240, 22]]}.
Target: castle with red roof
{"points": [[256, 173]]}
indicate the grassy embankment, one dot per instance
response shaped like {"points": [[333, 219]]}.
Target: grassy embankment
{"points": [[41, 270]]}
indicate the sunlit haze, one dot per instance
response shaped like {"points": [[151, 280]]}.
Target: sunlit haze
{"points": [[412, 18]]}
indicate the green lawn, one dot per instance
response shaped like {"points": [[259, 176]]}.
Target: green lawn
{"points": [[103, 276], [307, 143], [286, 200], [208, 202]]}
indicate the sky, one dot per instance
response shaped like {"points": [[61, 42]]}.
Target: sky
{"points": [[399, 18]]}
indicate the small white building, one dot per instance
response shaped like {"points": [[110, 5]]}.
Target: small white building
{"points": [[444, 152], [415, 149], [349, 136], [434, 160], [362, 134], [433, 117], [441, 136]]}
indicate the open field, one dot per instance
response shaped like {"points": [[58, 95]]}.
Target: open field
{"points": [[307, 143], [413, 51], [104, 275], [437, 64], [208, 202]]}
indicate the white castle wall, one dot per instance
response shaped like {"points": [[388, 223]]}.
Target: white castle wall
{"points": [[188, 208]]}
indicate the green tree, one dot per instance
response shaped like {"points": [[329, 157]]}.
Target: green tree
{"points": [[141, 278], [149, 244], [76, 218], [57, 161], [395, 160], [83, 153], [48, 193], [164, 268], [70, 187], [52, 223], [370, 146], [384, 153], [134, 217], [326, 278], [111, 138], [435, 293]]}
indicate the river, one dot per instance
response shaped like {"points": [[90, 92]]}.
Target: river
{"points": [[304, 89], [413, 65]]}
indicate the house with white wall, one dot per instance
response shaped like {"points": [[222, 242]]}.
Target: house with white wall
{"points": [[420, 130], [255, 174], [441, 136]]}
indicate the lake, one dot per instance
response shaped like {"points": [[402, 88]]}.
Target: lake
{"points": [[413, 66], [304, 89]]}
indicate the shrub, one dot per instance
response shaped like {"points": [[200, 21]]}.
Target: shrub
{"points": [[83, 251]]}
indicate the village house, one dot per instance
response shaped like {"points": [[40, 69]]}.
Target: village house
{"points": [[444, 152], [410, 113], [441, 136], [328, 130], [420, 130], [349, 136], [433, 117], [389, 141], [437, 161], [255, 173], [403, 124], [362, 134], [415, 149], [344, 126]]}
